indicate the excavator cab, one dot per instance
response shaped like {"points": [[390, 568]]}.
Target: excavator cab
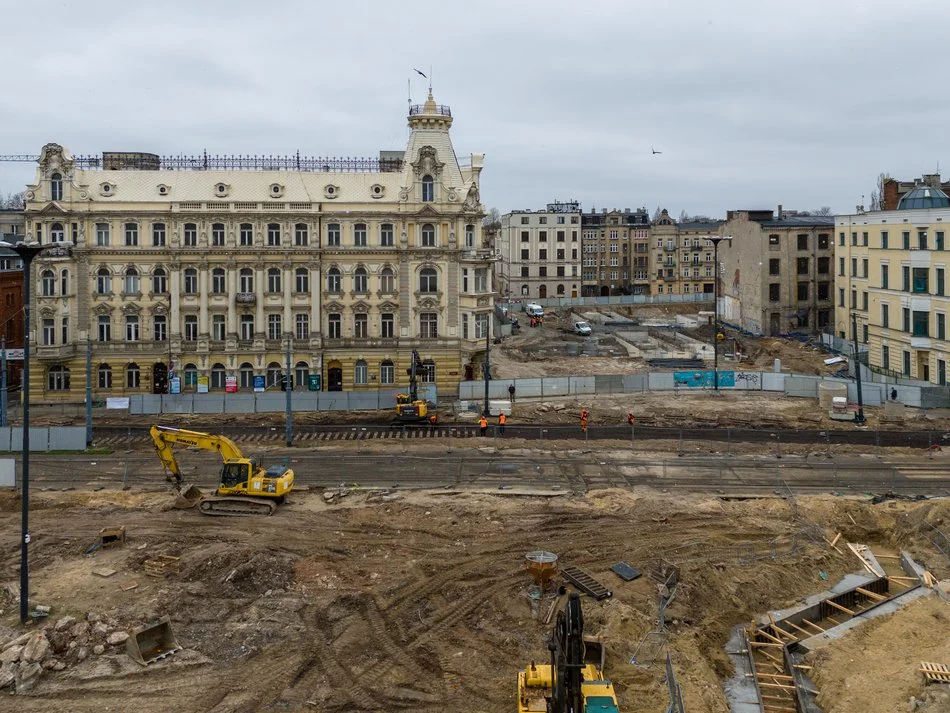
{"points": [[235, 474], [409, 407]]}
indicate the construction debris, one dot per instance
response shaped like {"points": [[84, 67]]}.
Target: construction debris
{"points": [[583, 581], [935, 672]]}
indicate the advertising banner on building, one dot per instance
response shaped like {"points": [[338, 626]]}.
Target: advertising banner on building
{"points": [[230, 384]]}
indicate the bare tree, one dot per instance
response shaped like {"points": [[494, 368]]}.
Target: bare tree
{"points": [[824, 210], [877, 196], [492, 220], [656, 214], [14, 201]]}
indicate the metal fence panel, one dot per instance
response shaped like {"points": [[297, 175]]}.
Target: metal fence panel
{"points": [[271, 402], [583, 385], [935, 397], [305, 401], [333, 401], [467, 390], [208, 403], [554, 386], [177, 403], [805, 386], [5, 439], [608, 384], [634, 382], [239, 403], [67, 438], [748, 380], [363, 400], [660, 381], [871, 394], [774, 382]]}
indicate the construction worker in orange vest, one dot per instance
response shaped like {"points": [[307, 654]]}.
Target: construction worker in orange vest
{"points": [[630, 418], [584, 418], [483, 424], [502, 420]]}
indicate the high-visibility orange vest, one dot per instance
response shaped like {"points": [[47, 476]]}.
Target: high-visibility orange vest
{"points": [[501, 419], [483, 422]]}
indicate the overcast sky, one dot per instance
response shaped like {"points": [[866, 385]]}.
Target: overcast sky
{"points": [[751, 103]]}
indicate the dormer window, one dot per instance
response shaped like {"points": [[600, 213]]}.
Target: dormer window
{"points": [[56, 187], [428, 189]]}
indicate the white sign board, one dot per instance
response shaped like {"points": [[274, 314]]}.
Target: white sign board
{"points": [[14, 354], [117, 402], [7, 472]]}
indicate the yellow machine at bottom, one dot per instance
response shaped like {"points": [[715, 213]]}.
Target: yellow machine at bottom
{"points": [[574, 681]]}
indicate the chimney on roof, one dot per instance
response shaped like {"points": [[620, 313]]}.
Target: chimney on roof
{"points": [[779, 214]]}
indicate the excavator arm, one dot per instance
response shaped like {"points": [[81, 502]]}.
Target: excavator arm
{"points": [[164, 437]]}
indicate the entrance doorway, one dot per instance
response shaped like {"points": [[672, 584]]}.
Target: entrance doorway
{"points": [[334, 376], [774, 327], [542, 292], [605, 291], [160, 378]]}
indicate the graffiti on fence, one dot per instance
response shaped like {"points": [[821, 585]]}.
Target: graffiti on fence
{"points": [[704, 379], [751, 379]]}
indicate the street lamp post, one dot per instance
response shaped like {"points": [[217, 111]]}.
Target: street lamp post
{"points": [[716, 239], [27, 252]]}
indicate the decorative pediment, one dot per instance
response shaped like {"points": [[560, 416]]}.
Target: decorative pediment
{"points": [[428, 303], [131, 309], [54, 156], [388, 307], [428, 162], [103, 310], [53, 208], [47, 313], [361, 307], [333, 307], [428, 211]]}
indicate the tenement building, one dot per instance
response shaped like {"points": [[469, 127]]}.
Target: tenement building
{"points": [[891, 280], [540, 252], [200, 274], [615, 252], [776, 271], [683, 262]]}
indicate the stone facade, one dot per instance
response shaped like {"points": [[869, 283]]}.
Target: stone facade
{"points": [[615, 252], [777, 272], [683, 256], [214, 270], [540, 252]]}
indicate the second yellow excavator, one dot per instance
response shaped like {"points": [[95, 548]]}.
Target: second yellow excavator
{"points": [[244, 488]]}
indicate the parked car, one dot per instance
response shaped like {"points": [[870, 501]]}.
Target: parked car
{"points": [[583, 329]]}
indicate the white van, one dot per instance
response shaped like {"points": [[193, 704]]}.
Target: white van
{"points": [[533, 309], [583, 329]]}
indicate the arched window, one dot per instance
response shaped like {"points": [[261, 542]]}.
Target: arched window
{"points": [[387, 283], [64, 282], [428, 235], [273, 279], [217, 376], [133, 376], [57, 378], [246, 279], [247, 375], [159, 281], [131, 281], [387, 372], [56, 233], [428, 189], [360, 373], [560, 289], [273, 374], [56, 187], [428, 280], [191, 376], [48, 280], [103, 281], [333, 280], [359, 280], [302, 280], [301, 374], [105, 376]]}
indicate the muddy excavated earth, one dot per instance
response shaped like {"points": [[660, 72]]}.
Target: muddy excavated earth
{"points": [[420, 601]]}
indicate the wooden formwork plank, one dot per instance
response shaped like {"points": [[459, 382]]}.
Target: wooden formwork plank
{"points": [[847, 611], [870, 595]]}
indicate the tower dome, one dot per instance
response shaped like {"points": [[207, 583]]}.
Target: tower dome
{"points": [[924, 197]]}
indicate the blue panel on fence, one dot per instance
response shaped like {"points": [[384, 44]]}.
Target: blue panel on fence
{"points": [[704, 379]]}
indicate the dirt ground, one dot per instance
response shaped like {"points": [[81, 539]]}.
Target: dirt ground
{"points": [[414, 600]]}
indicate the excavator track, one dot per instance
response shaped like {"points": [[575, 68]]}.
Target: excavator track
{"points": [[237, 506]]}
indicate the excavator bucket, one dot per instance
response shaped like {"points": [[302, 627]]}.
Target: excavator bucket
{"points": [[188, 498], [152, 642]]}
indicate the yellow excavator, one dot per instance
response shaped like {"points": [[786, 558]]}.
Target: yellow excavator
{"points": [[244, 488], [574, 680], [410, 409]]}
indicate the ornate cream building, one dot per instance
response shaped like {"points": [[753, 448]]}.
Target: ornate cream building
{"points": [[213, 265]]}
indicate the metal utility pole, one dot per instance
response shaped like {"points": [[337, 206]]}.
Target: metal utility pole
{"points": [[288, 384], [88, 390], [716, 239], [859, 416], [26, 252], [487, 364], [3, 382]]}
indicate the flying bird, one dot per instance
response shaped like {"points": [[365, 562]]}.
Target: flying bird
{"points": [[418, 72], [654, 150]]}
